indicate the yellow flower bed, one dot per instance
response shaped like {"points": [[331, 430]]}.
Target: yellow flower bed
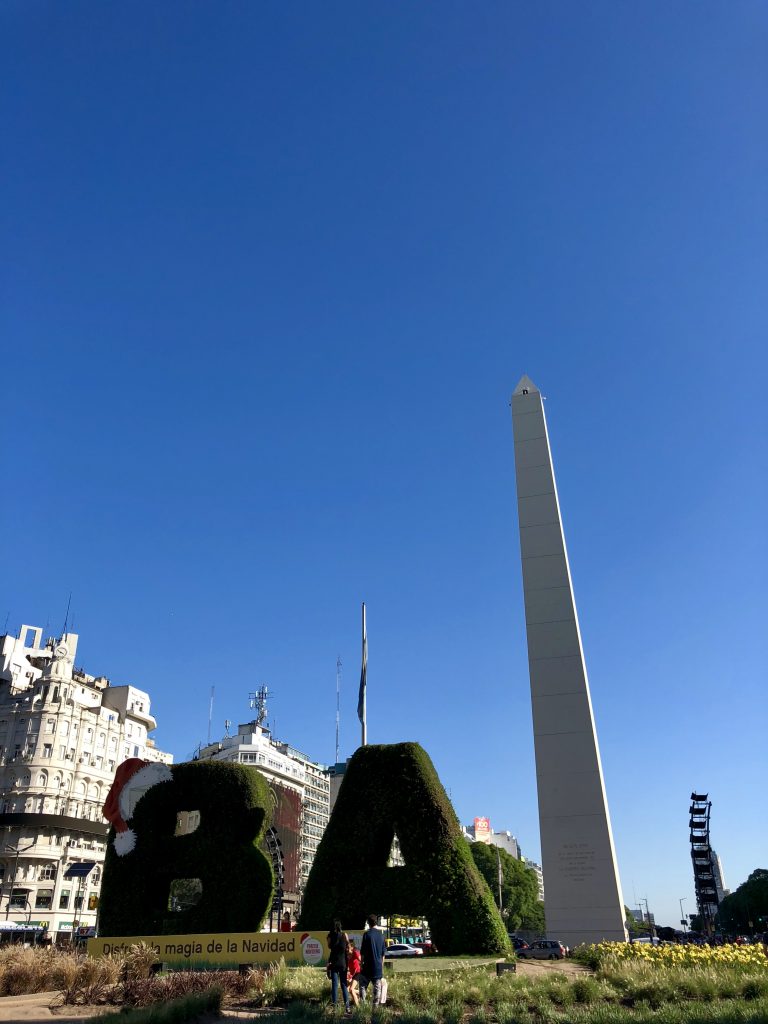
{"points": [[612, 953]]}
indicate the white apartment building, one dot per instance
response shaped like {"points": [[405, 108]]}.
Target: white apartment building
{"points": [[537, 870], [287, 767], [62, 734], [504, 840], [717, 871]]}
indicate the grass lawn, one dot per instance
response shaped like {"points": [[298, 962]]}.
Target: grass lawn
{"points": [[420, 964]]}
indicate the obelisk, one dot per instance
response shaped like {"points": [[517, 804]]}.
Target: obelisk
{"points": [[582, 891]]}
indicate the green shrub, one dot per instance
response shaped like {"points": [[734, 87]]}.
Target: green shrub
{"points": [[453, 1010], [585, 990], [754, 988]]}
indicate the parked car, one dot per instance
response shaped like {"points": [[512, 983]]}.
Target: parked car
{"points": [[518, 943], [543, 949], [402, 949]]}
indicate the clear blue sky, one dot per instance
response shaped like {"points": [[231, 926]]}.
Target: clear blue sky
{"points": [[271, 273]]}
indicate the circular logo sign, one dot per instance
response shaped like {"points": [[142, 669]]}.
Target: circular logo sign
{"points": [[312, 950]]}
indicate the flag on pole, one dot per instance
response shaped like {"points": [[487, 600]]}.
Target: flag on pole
{"points": [[500, 874], [363, 682]]}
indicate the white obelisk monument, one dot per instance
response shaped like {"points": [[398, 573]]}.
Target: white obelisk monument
{"points": [[582, 891]]}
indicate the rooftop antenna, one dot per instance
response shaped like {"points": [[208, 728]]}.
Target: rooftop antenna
{"points": [[66, 617], [258, 702], [210, 713], [227, 725], [338, 692]]}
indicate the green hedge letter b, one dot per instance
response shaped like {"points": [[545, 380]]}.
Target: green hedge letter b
{"points": [[195, 865], [394, 790]]}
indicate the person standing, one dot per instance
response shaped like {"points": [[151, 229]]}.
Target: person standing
{"points": [[354, 968], [372, 953], [337, 963]]}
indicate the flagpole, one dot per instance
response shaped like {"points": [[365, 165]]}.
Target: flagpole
{"points": [[362, 702]]}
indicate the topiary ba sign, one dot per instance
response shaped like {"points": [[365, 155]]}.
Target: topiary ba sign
{"points": [[386, 791]]}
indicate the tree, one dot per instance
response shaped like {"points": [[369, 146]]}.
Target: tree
{"points": [[634, 927], [520, 903], [696, 924], [746, 909]]}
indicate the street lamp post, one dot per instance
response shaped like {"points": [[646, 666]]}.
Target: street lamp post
{"points": [[651, 927], [18, 850], [682, 917]]}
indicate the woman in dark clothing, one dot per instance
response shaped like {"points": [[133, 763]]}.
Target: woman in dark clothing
{"points": [[337, 963]]}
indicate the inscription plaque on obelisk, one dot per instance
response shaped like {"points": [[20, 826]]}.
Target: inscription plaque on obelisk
{"points": [[582, 892]]}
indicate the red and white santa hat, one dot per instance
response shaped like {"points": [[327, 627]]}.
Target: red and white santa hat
{"points": [[132, 779]]}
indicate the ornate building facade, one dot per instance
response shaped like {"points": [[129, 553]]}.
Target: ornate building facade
{"points": [[62, 734], [301, 791]]}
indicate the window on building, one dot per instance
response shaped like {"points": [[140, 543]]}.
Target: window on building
{"points": [[18, 899], [46, 873], [62, 750], [44, 899], [64, 898], [47, 750], [64, 728], [78, 902], [187, 822], [50, 725], [184, 893]]}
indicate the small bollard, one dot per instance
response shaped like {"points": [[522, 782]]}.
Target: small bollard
{"points": [[502, 966]]}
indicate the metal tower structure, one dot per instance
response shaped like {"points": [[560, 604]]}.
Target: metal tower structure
{"points": [[258, 702], [703, 861]]}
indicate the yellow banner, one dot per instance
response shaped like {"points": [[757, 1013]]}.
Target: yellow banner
{"points": [[197, 951]]}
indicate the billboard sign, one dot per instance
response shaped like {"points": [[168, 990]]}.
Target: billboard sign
{"points": [[228, 950], [482, 830]]}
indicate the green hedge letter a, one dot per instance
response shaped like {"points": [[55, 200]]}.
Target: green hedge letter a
{"points": [[391, 791]]}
